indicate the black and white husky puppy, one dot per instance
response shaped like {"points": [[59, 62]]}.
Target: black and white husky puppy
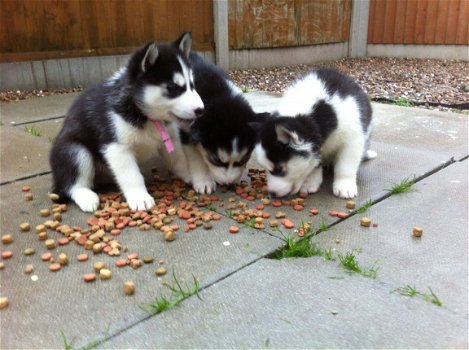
{"points": [[121, 121], [324, 118], [222, 139]]}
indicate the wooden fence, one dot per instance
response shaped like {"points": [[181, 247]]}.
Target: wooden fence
{"points": [[419, 22], [280, 23], [42, 29]]}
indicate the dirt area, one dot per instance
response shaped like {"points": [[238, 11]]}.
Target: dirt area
{"points": [[441, 84]]}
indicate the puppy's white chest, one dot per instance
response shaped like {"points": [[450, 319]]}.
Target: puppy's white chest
{"points": [[144, 143]]}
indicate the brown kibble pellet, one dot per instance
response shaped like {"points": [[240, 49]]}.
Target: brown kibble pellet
{"points": [[314, 211], [54, 197], [62, 259], [234, 229], [7, 254], [25, 227], [89, 277], [26, 188], [43, 236], [2, 265], [273, 223], [46, 256], [55, 267], [105, 274], [365, 222], [29, 269], [41, 228], [82, 257], [342, 215], [28, 197], [333, 213], [50, 243], [29, 251], [129, 288], [99, 265], [298, 207], [121, 263], [44, 212], [57, 217], [4, 301], [350, 205], [169, 235], [7, 239], [208, 226], [148, 259], [161, 271], [417, 231], [288, 223]]}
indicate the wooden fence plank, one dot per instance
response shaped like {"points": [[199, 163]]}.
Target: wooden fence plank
{"points": [[389, 22], [420, 19], [462, 32], [410, 22], [452, 21], [400, 21], [430, 21], [441, 20]]}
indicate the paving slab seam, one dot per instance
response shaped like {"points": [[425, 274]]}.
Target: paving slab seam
{"points": [[25, 178], [37, 121]]}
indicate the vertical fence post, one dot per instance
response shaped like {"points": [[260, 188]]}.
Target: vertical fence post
{"points": [[359, 28], [220, 26]]}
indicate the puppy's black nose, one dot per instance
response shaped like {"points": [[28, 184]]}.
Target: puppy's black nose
{"points": [[198, 112]]}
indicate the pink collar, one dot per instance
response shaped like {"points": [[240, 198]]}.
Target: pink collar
{"points": [[164, 135]]}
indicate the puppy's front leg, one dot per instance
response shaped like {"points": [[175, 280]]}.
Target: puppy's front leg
{"points": [[125, 169], [202, 180], [313, 181]]}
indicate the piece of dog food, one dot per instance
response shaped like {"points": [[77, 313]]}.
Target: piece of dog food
{"points": [[417, 231], [7, 239], [4, 302], [7, 254], [25, 227], [350, 205], [288, 223], [62, 259], [28, 196], [29, 251], [54, 267], [89, 277], [105, 274], [234, 229], [44, 212], [161, 271], [129, 288], [365, 222]]}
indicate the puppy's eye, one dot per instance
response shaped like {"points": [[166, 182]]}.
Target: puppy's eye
{"points": [[174, 89], [277, 171], [215, 160], [243, 161]]}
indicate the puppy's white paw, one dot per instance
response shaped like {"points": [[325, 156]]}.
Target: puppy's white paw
{"points": [[310, 187], [139, 199], [345, 188], [86, 199], [204, 186]]}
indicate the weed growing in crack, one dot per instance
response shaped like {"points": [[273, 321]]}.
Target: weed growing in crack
{"points": [[350, 263], [405, 186], [32, 131], [364, 208], [162, 303], [411, 291]]}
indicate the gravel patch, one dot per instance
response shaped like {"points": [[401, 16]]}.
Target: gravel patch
{"points": [[441, 84]]}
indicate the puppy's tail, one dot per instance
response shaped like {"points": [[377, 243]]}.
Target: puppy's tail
{"points": [[369, 154]]}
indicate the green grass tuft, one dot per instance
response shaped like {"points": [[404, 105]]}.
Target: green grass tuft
{"points": [[350, 263], [405, 186], [364, 208], [324, 225], [411, 291], [299, 249], [245, 89], [179, 293], [32, 131]]}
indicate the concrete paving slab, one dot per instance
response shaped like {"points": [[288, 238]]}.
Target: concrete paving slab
{"points": [[22, 154], [36, 108], [439, 259], [62, 301], [298, 303]]}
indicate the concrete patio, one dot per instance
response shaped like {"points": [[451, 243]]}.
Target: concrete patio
{"points": [[247, 299]]}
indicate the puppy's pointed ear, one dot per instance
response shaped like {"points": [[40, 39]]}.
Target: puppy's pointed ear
{"points": [[286, 136], [149, 59], [262, 117], [184, 43]]}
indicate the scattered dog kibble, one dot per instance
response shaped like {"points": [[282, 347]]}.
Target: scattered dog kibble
{"points": [[28, 197], [54, 267], [46, 256], [314, 211], [161, 271], [169, 235], [40, 228], [365, 222], [29, 251], [148, 259], [99, 265], [89, 277], [25, 227], [417, 231], [44, 212], [50, 243], [333, 213], [288, 223], [25, 188], [350, 205], [129, 288], [29, 269], [234, 229], [105, 274], [62, 259], [4, 302], [82, 257], [7, 239], [342, 215], [54, 197], [2, 265], [7, 254]]}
